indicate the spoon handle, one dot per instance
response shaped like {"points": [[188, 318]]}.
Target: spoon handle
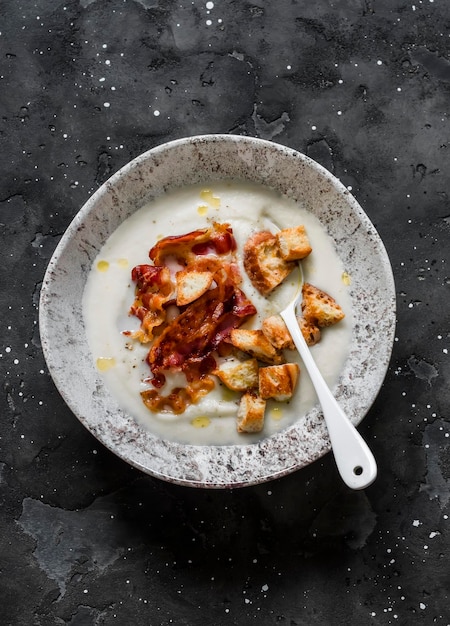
{"points": [[354, 460]]}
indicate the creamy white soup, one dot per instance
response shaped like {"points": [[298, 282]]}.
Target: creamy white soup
{"points": [[109, 293]]}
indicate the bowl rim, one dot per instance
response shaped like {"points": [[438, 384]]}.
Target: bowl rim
{"points": [[251, 477]]}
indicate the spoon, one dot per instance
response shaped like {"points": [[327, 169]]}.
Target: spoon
{"points": [[355, 462]]}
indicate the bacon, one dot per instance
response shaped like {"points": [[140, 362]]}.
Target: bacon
{"points": [[187, 343], [223, 243], [218, 239], [242, 306], [149, 277], [179, 398]]}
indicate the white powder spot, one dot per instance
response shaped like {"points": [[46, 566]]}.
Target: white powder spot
{"points": [[422, 606], [210, 6], [156, 113], [416, 523], [107, 62], [340, 81], [106, 105], [7, 349], [379, 62], [104, 46], [16, 361], [313, 127], [208, 22], [399, 88], [339, 112], [288, 67], [101, 80], [265, 588]]}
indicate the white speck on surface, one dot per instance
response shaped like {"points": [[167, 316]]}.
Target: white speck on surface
{"points": [[313, 127], [265, 588], [208, 22], [210, 6], [379, 62], [106, 105], [416, 523], [107, 62], [434, 534], [156, 113]]}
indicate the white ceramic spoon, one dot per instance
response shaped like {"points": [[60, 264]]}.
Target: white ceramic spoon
{"points": [[355, 462]]}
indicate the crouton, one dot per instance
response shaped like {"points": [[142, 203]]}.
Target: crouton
{"points": [[293, 243], [250, 415], [191, 284], [311, 332], [256, 344], [240, 376], [320, 308], [278, 381], [263, 263], [277, 333]]}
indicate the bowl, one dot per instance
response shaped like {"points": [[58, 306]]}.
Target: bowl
{"points": [[173, 165]]}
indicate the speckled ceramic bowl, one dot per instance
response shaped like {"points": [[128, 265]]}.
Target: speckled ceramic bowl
{"points": [[196, 160]]}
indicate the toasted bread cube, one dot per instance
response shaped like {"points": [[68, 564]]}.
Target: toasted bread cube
{"points": [[310, 331], [277, 333], [293, 243], [263, 263], [250, 415], [256, 344], [278, 381], [240, 376], [320, 308], [191, 284]]}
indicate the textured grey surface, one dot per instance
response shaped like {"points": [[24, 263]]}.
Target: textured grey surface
{"points": [[363, 88]]}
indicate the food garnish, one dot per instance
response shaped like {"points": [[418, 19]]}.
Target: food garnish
{"points": [[193, 311]]}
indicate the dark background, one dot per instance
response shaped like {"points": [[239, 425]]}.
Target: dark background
{"points": [[363, 87]]}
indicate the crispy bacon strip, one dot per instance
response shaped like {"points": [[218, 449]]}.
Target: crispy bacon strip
{"points": [[187, 342], [153, 291], [179, 398], [218, 239]]}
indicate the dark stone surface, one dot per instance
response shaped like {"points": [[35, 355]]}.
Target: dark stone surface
{"points": [[362, 86]]}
